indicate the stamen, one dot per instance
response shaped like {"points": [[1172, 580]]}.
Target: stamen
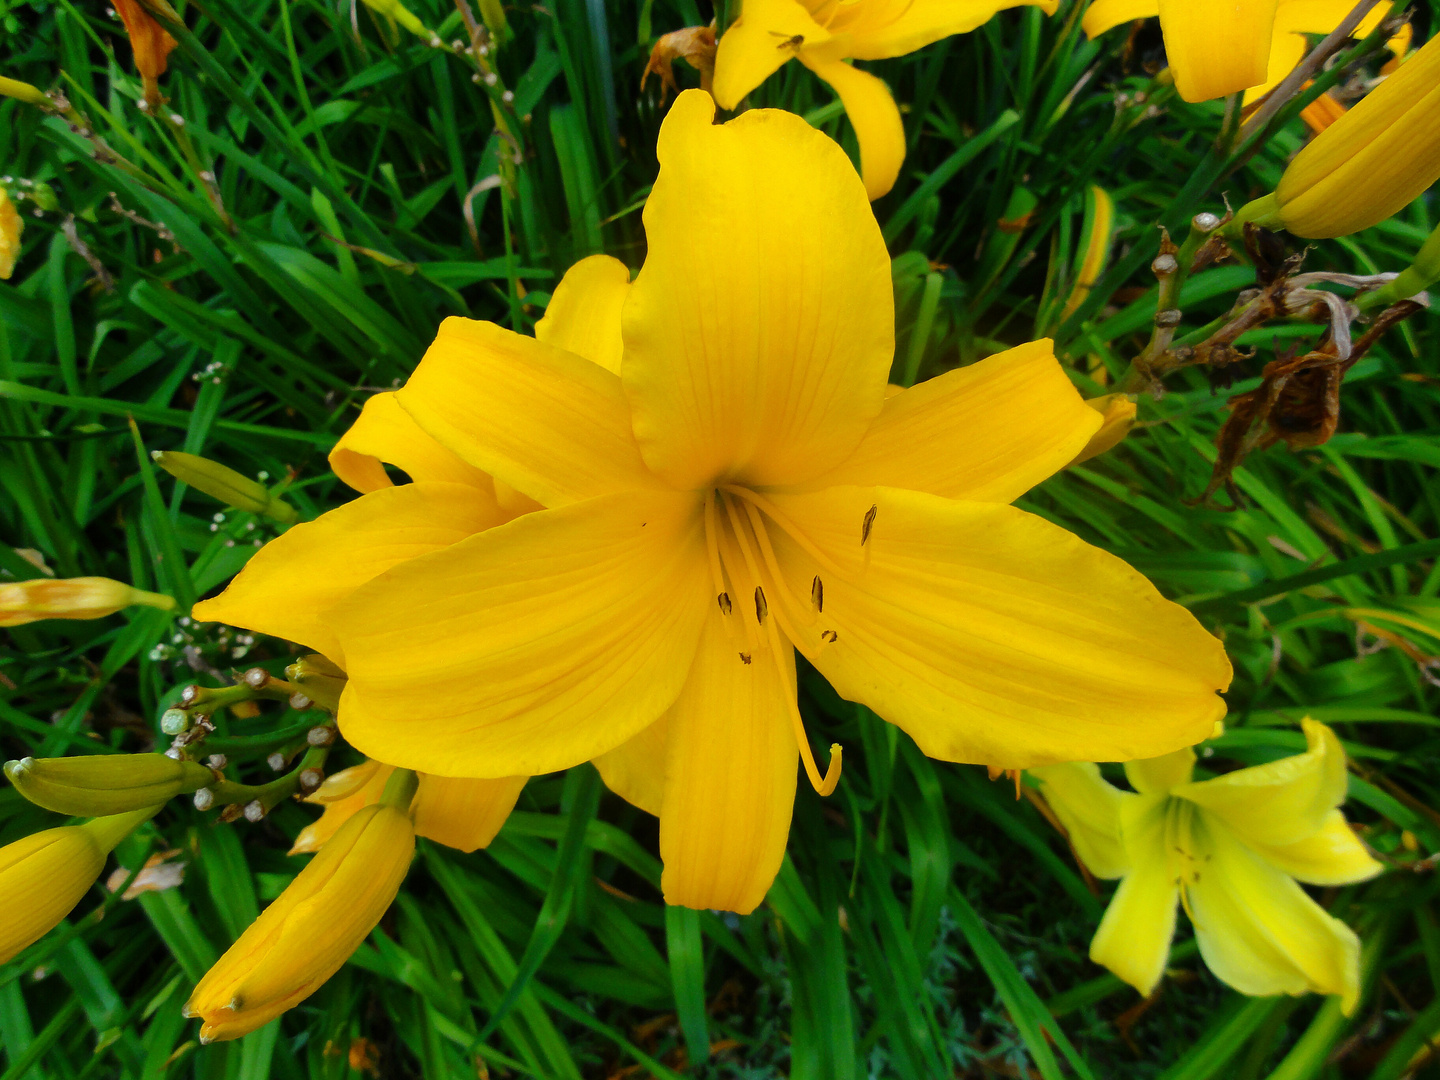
{"points": [[831, 635], [761, 607], [712, 551], [724, 601], [817, 593], [789, 528], [762, 540], [866, 524]]}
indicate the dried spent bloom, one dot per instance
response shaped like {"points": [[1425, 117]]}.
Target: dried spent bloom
{"points": [[1368, 165], [310, 930], [71, 598], [44, 875], [1230, 851], [150, 42], [743, 487], [1219, 47], [823, 35]]}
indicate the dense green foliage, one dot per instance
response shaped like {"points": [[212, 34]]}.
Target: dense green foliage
{"points": [[926, 922]]}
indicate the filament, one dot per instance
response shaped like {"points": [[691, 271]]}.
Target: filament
{"points": [[788, 527], [824, 785]]}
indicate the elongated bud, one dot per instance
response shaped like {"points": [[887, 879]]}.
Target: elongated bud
{"points": [[492, 13], [12, 226], [1369, 164], [1095, 241], [71, 598], [23, 91], [225, 484], [309, 932], [1117, 413], [398, 12], [321, 680], [104, 784], [43, 876]]}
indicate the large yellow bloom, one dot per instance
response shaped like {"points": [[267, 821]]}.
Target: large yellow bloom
{"points": [[823, 35], [742, 488], [1369, 164], [44, 875], [1219, 47], [311, 929], [1230, 850]]}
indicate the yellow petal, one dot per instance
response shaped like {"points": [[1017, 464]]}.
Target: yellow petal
{"points": [[384, 432], [547, 422], [1157, 775], [1089, 808], [292, 582], [993, 636], [1103, 15], [1117, 417], [1216, 47], [1259, 932], [1323, 16], [463, 813], [584, 312], [873, 113], [11, 226], [1332, 856], [1134, 936], [309, 932], [764, 361], [987, 432], [1374, 160], [635, 770], [879, 29], [531, 647], [1286, 50], [730, 776], [342, 794], [43, 876], [1280, 802], [757, 43]]}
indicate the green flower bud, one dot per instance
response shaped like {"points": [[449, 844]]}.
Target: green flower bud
{"points": [[225, 484], [104, 784]]}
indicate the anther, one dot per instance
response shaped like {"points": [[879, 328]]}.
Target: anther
{"points": [[745, 658], [866, 524], [829, 635], [724, 601], [817, 593], [761, 607]]}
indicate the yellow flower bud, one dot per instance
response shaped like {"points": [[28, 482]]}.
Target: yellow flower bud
{"points": [[11, 228], [42, 877], [225, 484], [1118, 412], [1369, 164], [398, 12], [104, 784], [321, 680], [71, 598], [309, 932], [23, 91]]}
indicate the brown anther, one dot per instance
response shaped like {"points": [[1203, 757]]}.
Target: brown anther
{"points": [[745, 658], [817, 593], [867, 523], [761, 607], [829, 635], [724, 601]]}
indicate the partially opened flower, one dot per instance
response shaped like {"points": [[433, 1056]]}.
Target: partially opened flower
{"points": [[1220, 47], [743, 488], [312, 928], [823, 35], [1230, 851]]}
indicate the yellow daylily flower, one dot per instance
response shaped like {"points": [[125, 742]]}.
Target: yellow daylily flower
{"points": [[311, 929], [1219, 47], [43, 876], [743, 488], [1230, 851], [1366, 166], [72, 598], [823, 35], [455, 811], [12, 227]]}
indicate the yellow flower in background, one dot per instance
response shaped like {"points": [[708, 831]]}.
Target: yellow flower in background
{"points": [[823, 35], [72, 598], [743, 488], [12, 227], [1366, 166], [1220, 47], [1229, 850], [311, 929], [457, 812], [43, 876]]}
